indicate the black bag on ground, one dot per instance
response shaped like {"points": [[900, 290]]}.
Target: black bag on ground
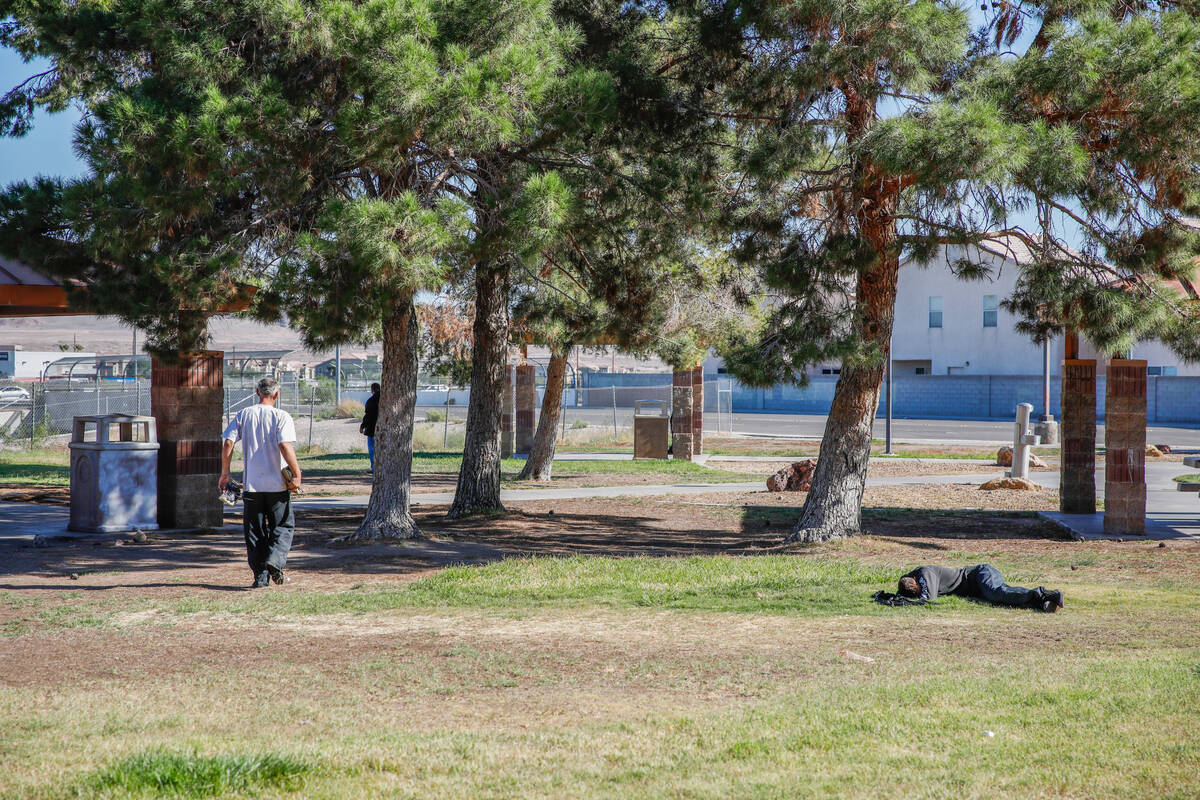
{"points": [[892, 599]]}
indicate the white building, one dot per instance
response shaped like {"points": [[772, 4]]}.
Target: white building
{"points": [[948, 326], [18, 364]]}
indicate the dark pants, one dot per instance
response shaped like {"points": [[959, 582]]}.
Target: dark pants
{"points": [[268, 523], [985, 582]]}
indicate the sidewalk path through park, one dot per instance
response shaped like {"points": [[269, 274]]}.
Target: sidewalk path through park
{"points": [[1171, 514]]}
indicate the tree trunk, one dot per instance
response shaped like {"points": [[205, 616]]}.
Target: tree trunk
{"points": [[541, 455], [478, 488], [834, 505], [388, 515]]}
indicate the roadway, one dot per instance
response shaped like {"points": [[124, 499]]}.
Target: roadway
{"points": [[812, 426]]}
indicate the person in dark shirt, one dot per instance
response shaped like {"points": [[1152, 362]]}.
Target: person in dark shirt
{"points": [[982, 582], [367, 428]]}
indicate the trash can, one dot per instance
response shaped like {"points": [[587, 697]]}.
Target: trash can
{"points": [[650, 431], [114, 473]]}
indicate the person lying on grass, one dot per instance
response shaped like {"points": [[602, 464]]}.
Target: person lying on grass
{"points": [[982, 582]]}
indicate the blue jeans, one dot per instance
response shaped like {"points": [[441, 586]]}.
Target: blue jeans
{"points": [[985, 582], [371, 451]]}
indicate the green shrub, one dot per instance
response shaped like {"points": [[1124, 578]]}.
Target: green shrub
{"points": [[579, 424], [435, 416]]}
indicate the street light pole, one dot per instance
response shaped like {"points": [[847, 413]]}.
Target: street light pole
{"points": [[337, 375], [887, 441]]}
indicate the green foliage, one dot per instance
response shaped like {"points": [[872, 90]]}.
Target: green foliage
{"points": [[165, 773]]}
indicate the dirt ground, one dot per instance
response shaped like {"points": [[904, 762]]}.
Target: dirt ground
{"points": [[754, 522], [117, 573]]}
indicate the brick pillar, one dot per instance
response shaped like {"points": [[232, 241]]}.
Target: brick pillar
{"points": [[698, 410], [681, 415], [187, 400], [1077, 493], [506, 415], [525, 398], [1125, 447]]}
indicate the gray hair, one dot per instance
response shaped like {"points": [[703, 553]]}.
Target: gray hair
{"points": [[267, 387]]}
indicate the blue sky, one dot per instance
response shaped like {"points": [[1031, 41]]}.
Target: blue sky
{"points": [[47, 149]]}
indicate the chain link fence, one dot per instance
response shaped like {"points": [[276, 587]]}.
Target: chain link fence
{"points": [[38, 411], [589, 413]]}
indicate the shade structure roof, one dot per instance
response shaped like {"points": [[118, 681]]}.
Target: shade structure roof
{"points": [[25, 292]]}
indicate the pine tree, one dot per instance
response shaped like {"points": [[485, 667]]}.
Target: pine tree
{"points": [[330, 151], [874, 130], [630, 138]]}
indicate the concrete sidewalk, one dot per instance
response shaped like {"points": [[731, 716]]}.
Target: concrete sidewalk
{"points": [[1171, 514]]}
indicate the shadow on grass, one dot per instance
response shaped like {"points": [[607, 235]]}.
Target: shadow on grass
{"points": [[911, 525]]}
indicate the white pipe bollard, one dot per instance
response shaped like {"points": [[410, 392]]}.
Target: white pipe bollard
{"points": [[1023, 439]]}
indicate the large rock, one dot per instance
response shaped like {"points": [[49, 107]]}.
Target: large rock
{"points": [[1018, 484], [796, 477], [1004, 458]]}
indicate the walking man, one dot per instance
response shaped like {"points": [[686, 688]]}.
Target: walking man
{"points": [[982, 581], [367, 428], [266, 434]]}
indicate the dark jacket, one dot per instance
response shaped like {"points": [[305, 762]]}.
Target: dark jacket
{"points": [[938, 580], [371, 415]]}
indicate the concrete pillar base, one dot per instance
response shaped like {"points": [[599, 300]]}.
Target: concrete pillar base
{"points": [[525, 401], [1077, 494], [187, 400], [1125, 447], [507, 438], [682, 439]]}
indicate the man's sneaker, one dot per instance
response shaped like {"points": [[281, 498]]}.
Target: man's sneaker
{"points": [[277, 576], [261, 581]]}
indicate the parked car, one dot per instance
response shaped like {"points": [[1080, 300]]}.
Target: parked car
{"points": [[9, 394]]}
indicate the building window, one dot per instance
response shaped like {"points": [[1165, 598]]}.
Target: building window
{"points": [[919, 371], [1167, 371], [990, 311], [935, 312], [831, 370]]}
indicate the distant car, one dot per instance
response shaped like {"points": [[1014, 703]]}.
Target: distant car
{"points": [[435, 387], [11, 393]]}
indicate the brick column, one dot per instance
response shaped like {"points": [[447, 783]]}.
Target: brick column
{"points": [[1077, 493], [506, 414], [698, 410], [525, 398], [1125, 447], [682, 424], [187, 400]]}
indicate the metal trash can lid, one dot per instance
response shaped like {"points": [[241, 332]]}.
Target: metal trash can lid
{"points": [[114, 429], [637, 408]]}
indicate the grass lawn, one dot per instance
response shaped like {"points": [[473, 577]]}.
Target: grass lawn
{"points": [[427, 463], [35, 468], [51, 468], [684, 677]]}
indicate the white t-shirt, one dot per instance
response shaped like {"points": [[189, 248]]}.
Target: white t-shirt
{"points": [[261, 429]]}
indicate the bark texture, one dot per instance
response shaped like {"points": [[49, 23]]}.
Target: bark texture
{"points": [[834, 505], [478, 487], [388, 514], [541, 455]]}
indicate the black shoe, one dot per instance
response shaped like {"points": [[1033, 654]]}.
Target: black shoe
{"points": [[277, 576], [261, 581]]}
